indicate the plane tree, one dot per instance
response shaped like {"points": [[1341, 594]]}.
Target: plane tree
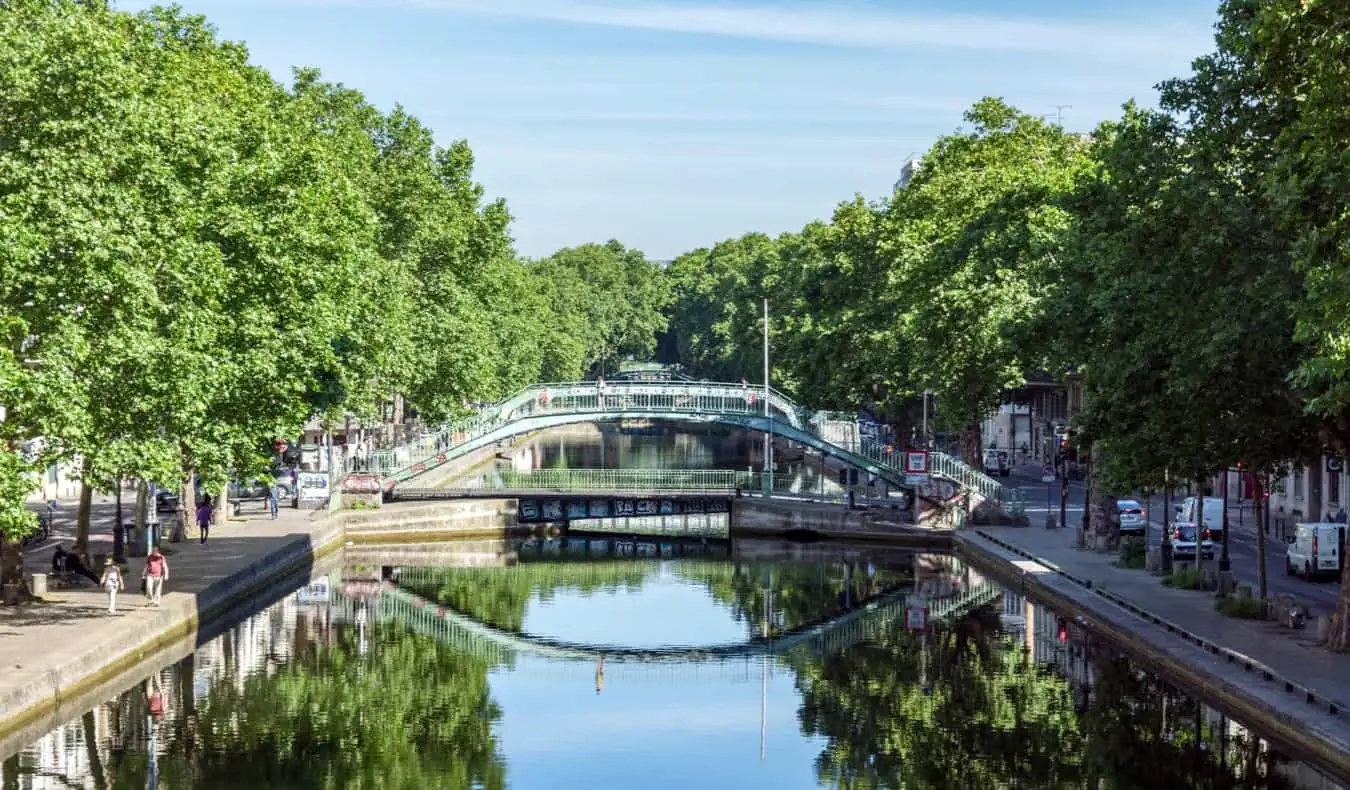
{"points": [[967, 241]]}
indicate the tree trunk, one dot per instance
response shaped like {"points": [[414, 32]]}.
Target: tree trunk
{"points": [[91, 742], [1258, 499], [82, 517], [11, 564], [971, 450], [142, 494], [187, 500], [222, 502], [1103, 517]]}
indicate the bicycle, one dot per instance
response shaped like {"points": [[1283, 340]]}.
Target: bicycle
{"points": [[43, 532]]}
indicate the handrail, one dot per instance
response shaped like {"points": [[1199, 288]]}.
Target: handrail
{"points": [[698, 397]]}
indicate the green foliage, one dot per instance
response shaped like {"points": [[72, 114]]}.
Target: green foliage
{"points": [[605, 303], [1242, 608], [1133, 552], [200, 259], [1187, 579], [413, 713]]}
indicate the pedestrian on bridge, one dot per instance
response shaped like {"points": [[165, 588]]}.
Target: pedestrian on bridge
{"points": [[600, 391]]}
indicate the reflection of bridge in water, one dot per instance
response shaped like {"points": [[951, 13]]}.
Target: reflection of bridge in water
{"points": [[497, 646]]}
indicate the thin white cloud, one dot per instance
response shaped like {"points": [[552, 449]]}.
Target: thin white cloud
{"points": [[833, 24]]}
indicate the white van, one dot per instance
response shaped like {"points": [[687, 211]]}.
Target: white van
{"points": [[1214, 521], [1315, 550]]}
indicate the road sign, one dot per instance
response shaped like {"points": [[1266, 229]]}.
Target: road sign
{"points": [[916, 462], [1048, 474]]}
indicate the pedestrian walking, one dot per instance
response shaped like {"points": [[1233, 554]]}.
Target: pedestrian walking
{"points": [[204, 511], [600, 391], [272, 500], [112, 582], [155, 574]]}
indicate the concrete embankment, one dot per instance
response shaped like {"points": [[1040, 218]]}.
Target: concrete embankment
{"points": [[791, 518], [1301, 722]]}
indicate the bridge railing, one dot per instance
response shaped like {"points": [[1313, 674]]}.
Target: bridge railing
{"points": [[951, 468], [667, 397], [720, 480]]}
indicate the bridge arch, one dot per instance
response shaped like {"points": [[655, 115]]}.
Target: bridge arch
{"points": [[542, 406]]}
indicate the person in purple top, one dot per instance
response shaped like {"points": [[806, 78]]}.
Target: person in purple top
{"points": [[204, 517]]}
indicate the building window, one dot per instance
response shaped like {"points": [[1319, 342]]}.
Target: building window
{"points": [[1298, 482]]}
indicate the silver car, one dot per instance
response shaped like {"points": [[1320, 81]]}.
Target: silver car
{"points": [[1184, 543], [1131, 517]]}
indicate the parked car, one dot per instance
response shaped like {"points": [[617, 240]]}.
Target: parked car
{"points": [[1131, 517], [1315, 550], [1185, 544], [166, 498]]}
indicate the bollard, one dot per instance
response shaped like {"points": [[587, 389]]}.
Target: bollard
{"points": [[38, 584], [1323, 628]]}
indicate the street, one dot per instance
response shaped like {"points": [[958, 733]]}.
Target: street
{"points": [[1320, 596]]}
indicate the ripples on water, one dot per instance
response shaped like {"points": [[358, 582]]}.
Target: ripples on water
{"points": [[490, 682]]}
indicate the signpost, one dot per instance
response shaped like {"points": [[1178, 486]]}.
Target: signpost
{"points": [[916, 467]]}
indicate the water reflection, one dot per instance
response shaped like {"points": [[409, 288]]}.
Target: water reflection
{"points": [[333, 690], [647, 445]]}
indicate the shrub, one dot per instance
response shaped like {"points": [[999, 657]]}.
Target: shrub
{"points": [[1242, 608], [1133, 553], [1189, 579]]}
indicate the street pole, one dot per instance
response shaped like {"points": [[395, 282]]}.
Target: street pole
{"points": [[1167, 534], [925, 418], [1225, 565], [119, 547], [1063, 492], [768, 413]]}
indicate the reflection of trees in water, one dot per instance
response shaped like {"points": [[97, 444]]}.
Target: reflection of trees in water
{"points": [[802, 593], [963, 707], [499, 596], [412, 713]]}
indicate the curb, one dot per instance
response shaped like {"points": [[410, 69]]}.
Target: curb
{"points": [[1308, 694]]}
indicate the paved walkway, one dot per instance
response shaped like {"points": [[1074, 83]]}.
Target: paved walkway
{"points": [[1292, 653], [37, 639]]}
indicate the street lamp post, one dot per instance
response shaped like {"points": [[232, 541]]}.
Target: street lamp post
{"points": [[1167, 533], [1063, 492], [768, 413], [1225, 565]]}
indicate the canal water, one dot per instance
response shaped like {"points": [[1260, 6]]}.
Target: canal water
{"points": [[617, 664]]}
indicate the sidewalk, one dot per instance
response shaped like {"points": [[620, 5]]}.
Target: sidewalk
{"points": [[42, 642], [1293, 652]]}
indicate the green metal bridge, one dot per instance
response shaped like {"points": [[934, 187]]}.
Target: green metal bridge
{"points": [[543, 406], [498, 646]]}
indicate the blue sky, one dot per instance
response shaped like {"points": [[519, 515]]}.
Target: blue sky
{"points": [[673, 124]]}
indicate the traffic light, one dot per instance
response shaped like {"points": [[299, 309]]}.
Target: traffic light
{"points": [[1061, 629]]}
